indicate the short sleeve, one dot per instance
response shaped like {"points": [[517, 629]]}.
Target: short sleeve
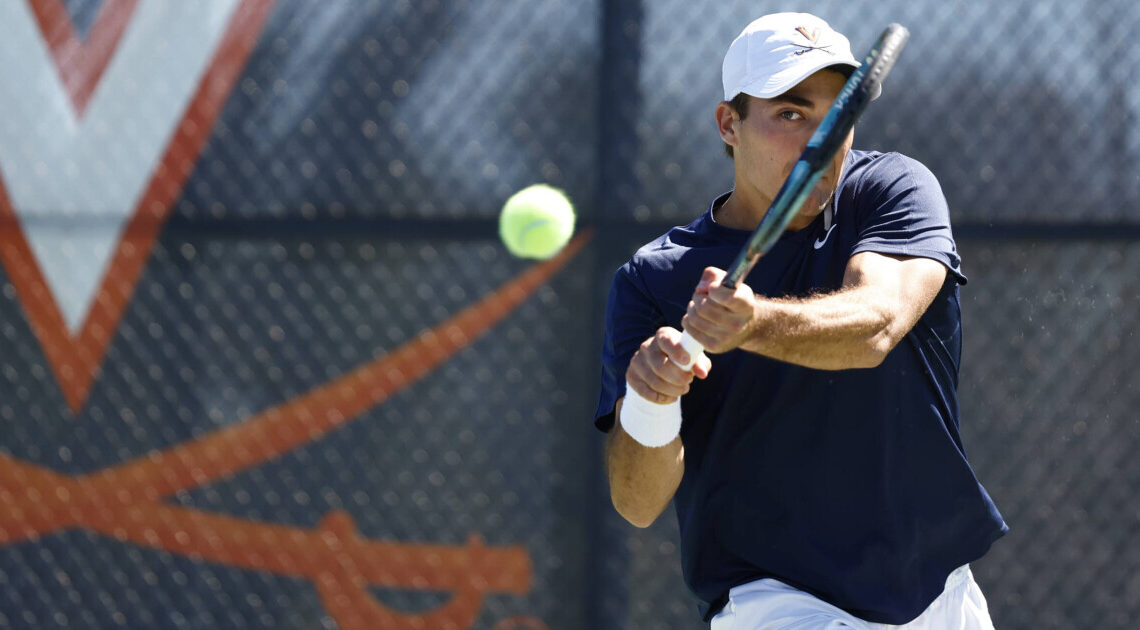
{"points": [[902, 211], [631, 317]]}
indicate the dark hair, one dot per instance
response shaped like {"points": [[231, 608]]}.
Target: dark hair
{"points": [[739, 103]]}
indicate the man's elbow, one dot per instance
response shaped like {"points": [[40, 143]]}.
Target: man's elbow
{"points": [[638, 505], [638, 516], [876, 349]]}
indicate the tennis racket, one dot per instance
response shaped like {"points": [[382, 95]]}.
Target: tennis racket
{"points": [[864, 84]]}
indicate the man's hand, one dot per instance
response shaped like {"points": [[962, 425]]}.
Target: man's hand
{"points": [[718, 317], [653, 371]]}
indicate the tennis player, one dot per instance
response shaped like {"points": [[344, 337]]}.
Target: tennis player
{"points": [[819, 477]]}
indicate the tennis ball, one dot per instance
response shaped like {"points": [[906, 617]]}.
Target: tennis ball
{"points": [[536, 222]]}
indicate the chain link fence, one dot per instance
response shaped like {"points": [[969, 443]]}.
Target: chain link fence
{"points": [[263, 362]]}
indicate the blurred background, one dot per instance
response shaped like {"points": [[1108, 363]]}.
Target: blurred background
{"points": [[235, 237]]}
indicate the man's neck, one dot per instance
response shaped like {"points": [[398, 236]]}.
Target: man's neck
{"points": [[738, 214]]}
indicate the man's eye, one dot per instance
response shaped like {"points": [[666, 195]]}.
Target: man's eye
{"points": [[791, 115]]}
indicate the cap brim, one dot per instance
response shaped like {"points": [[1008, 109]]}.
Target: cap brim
{"points": [[781, 82]]}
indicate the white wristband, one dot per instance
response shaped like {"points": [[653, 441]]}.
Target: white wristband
{"points": [[649, 423]]}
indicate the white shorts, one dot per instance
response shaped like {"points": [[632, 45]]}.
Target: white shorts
{"points": [[769, 604]]}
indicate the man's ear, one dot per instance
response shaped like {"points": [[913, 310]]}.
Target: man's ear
{"points": [[726, 120]]}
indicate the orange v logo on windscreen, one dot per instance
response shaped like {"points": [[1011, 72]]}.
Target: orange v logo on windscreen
{"points": [[75, 334]]}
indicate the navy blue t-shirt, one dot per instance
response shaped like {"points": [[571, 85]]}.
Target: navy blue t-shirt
{"points": [[853, 484]]}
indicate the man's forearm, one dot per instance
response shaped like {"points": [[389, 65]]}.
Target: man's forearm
{"points": [[642, 479], [850, 328]]}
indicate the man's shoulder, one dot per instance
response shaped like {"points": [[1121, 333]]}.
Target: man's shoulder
{"points": [[870, 167], [674, 260], [664, 249], [668, 250]]}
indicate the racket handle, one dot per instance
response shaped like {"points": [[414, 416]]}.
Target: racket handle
{"points": [[693, 347], [653, 424]]}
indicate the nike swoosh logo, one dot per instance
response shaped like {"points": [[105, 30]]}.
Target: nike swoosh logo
{"points": [[823, 239]]}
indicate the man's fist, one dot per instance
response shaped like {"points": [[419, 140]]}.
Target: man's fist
{"points": [[653, 372], [718, 317]]}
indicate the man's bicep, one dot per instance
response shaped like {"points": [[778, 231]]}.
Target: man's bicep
{"points": [[906, 285]]}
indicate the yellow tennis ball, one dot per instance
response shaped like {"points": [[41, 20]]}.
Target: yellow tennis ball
{"points": [[536, 222]]}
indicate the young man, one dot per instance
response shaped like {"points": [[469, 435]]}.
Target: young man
{"points": [[819, 477]]}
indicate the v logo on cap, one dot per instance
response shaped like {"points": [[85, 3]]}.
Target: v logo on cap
{"points": [[812, 35]]}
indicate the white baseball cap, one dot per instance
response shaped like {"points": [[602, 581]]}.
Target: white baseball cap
{"points": [[777, 51]]}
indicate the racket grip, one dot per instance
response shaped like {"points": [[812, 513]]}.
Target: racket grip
{"points": [[693, 347]]}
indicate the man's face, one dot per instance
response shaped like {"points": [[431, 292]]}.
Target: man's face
{"points": [[769, 140]]}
